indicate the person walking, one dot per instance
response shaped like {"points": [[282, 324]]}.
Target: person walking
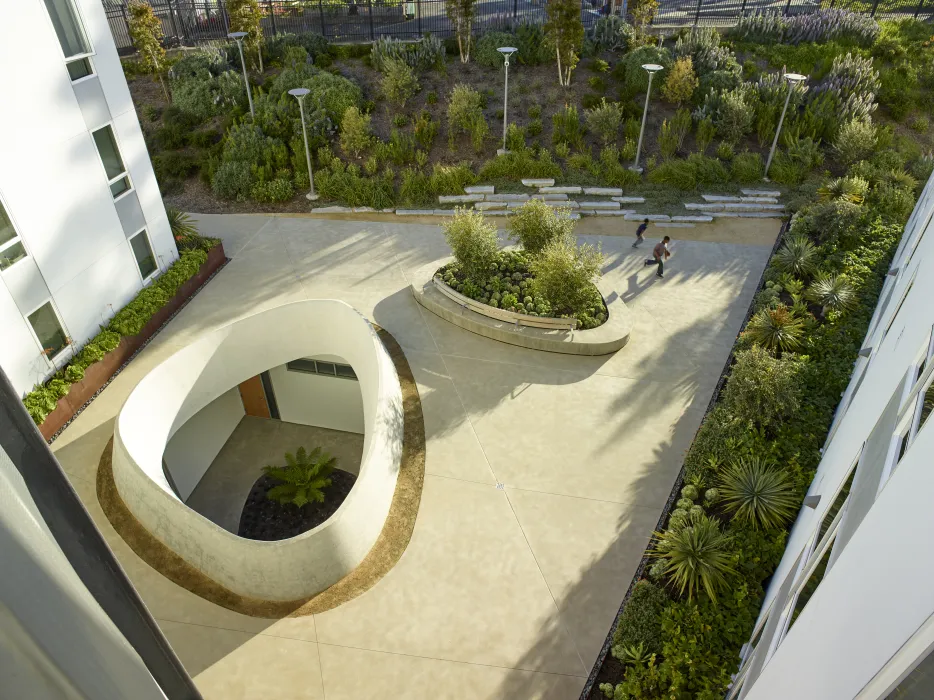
{"points": [[640, 233], [659, 254]]}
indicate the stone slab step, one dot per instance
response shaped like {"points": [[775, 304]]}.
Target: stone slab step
{"points": [[387, 211], [415, 212], [496, 212], [629, 200], [673, 224], [618, 212], [572, 189], [720, 198], [760, 200], [460, 198], [332, 210], [762, 193], [599, 205], [489, 206], [564, 204], [696, 206], [364, 210], [650, 217], [550, 197], [507, 198], [538, 182], [692, 219], [744, 206], [443, 212], [604, 191], [749, 214], [480, 189]]}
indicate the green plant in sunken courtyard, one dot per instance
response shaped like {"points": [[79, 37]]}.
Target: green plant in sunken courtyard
{"points": [[304, 477]]}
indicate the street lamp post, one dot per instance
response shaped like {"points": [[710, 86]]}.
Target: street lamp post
{"points": [[793, 79], [238, 37], [507, 51], [299, 94], [651, 69]]}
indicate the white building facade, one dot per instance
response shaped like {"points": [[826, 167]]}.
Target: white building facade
{"points": [[82, 224], [849, 612]]}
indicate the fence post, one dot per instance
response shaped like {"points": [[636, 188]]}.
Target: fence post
{"points": [[126, 21], [178, 34], [697, 14], [418, 16], [875, 4], [788, 7], [369, 7], [272, 16], [742, 10], [188, 41], [515, 9], [324, 29], [920, 7]]}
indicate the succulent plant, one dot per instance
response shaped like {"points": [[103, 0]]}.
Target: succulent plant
{"points": [[711, 496], [684, 503], [689, 492]]}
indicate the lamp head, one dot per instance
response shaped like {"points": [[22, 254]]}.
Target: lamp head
{"points": [[795, 77], [237, 35], [507, 51], [299, 92], [652, 67]]}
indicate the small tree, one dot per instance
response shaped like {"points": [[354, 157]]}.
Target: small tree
{"points": [[681, 81], [146, 32], [642, 13], [473, 242], [565, 32], [304, 477], [245, 16], [604, 120], [535, 225], [399, 82], [461, 12], [355, 131]]}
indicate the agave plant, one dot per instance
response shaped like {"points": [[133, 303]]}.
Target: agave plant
{"points": [[849, 189], [633, 654], [798, 256], [696, 556], [901, 180], [304, 477], [776, 329], [181, 224], [832, 292], [758, 493]]}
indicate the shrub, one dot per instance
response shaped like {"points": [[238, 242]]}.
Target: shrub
{"points": [[833, 292], [473, 242], [637, 80], [565, 33], [355, 132], [232, 180], [146, 31], [567, 128], [604, 120], [465, 116], [758, 493], [763, 389], [725, 152], [515, 137], [424, 54], [854, 83], [834, 222], [535, 224], [485, 53], [399, 82], [747, 167], [696, 556], [797, 256], [303, 479], [706, 131], [530, 40], [775, 329], [920, 124], [847, 189], [855, 141], [735, 116], [681, 81], [415, 188], [451, 179], [611, 33], [333, 93], [519, 164], [565, 274], [640, 621]]}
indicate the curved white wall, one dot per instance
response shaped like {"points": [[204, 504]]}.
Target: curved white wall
{"points": [[189, 380]]}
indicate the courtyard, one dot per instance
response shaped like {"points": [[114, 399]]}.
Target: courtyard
{"points": [[545, 473]]}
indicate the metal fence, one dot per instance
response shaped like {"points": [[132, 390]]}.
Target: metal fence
{"points": [[194, 22]]}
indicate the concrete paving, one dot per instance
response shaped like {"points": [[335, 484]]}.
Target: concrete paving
{"points": [[545, 473]]}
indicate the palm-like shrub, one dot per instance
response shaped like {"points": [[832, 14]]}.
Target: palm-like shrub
{"points": [[696, 556], [832, 292], [849, 189], [798, 256], [181, 223], [776, 329], [535, 224], [304, 477], [758, 493]]}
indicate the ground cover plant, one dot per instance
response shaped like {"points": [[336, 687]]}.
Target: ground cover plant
{"points": [[431, 103], [550, 275]]}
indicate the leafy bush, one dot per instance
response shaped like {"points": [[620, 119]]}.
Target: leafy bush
{"points": [[536, 224], [473, 242], [399, 82], [696, 556], [345, 183], [763, 389], [702, 45], [355, 132], [758, 493], [681, 81], [519, 164], [421, 55], [564, 276], [303, 479], [485, 53], [604, 120], [567, 129], [640, 622], [821, 26], [853, 82], [465, 116], [747, 168], [689, 173], [533, 48], [611, 33], [333, 93], [451, 179], [637, 80], [279, 189], [706, 131]]}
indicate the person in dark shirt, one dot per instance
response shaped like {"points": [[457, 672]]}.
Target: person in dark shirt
{"points": [[640, 233], [659, 254]]}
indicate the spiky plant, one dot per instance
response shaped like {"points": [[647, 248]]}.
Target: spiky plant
{"points": [[304, 477], [901, 180], [696, 556], [633, 654], [757, 493], [832, 292], [776, 329], [181, 224], [798, 256], [849, 189]]}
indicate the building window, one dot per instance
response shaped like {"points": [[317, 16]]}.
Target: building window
{"points": [[11, 248], [142, 251], [899, 308], [48, 330], [328, 369], [68, 27], [117, 177], [81, 68]]}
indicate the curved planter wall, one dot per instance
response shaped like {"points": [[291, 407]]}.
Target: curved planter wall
{"points": [[193, 377]]}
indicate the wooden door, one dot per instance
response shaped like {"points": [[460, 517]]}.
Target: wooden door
{"points": [[254, 397]]}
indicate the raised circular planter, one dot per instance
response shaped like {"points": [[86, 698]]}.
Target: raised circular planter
{"points": [[182, 385], [534, 332]]}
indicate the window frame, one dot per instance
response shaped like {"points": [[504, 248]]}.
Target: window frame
{"points": [[295, 366], [901, 302], [126, 171], [50, 359], [152, 252], [17, 238], [89, 76], [82, 27]]}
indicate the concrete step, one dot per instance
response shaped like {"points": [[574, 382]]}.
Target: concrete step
{"points": [[538, 182], [720, 198], [415, 212], [460, 198], [572, 189], [618, 212], [761, 193], [479, 189], [332, 210], [746, 206], [749, 214], [629, 200], [674, 224], [604, 191], [692, 219], [489, 206], [507, 198], [696, 206], [599, 205], [650, 217]]}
